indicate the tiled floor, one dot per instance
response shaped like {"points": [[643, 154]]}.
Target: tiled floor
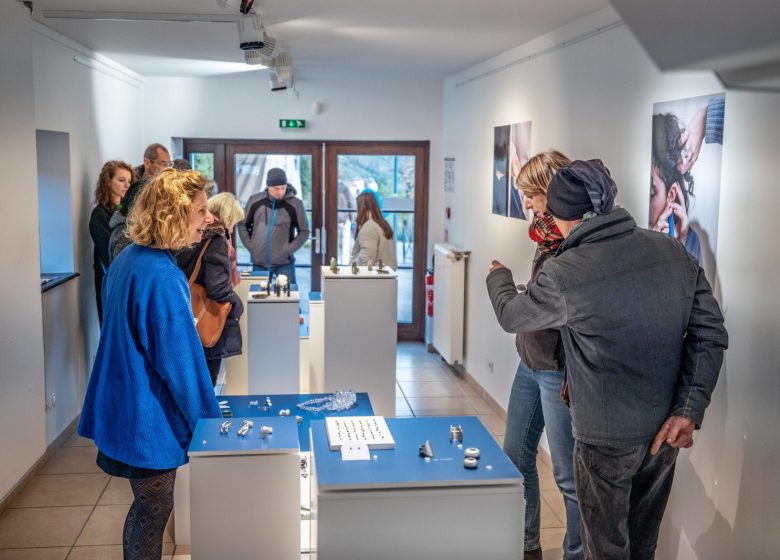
{"points": [[72, 510]]}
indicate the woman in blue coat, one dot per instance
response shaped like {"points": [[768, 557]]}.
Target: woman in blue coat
{"points": [[150, 384]]}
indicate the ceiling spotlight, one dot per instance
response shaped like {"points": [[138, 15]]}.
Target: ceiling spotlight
{"points": [[250, 32]]}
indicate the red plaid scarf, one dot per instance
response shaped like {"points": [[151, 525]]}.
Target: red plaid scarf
{"points": [[545, 233]]}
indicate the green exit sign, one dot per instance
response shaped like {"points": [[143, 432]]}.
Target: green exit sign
{"points": [[292, 123]]}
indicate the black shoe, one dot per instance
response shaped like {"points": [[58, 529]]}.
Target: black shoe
{"points": [[533, 554]]}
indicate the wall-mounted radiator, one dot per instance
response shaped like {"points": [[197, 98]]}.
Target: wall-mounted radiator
{"points": [[449, 301]]}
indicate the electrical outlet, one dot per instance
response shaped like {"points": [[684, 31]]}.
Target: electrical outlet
{"points": [[490, 366]]}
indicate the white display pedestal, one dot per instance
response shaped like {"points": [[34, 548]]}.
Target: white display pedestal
{"points": [[273, 350], [316, 343], [400, 505], [237, 382], [360, 334], [245, 491]]}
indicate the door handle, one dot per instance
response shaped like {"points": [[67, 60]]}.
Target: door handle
{"points": [[317, 240]]}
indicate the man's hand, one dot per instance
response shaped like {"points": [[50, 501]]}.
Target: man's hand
{"points": [[677, 431], [495, 265]]}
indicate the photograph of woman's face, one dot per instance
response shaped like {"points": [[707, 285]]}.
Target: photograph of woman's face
{"points": [[658, 195]]}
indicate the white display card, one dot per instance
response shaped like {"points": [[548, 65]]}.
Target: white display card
{"points": [[371, 430], [355, 452]]}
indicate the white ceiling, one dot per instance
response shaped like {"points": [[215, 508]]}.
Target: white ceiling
{"points": [[425, 39]]}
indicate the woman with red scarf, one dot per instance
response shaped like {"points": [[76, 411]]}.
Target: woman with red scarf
{"points": [[536, 401]]}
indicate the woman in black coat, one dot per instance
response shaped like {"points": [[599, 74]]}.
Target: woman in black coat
{"points": [[214, 275], [112, 184]]}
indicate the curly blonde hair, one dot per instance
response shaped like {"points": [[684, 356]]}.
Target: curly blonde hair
{"points": [[160, 217], [226, 209], [536, 174]]}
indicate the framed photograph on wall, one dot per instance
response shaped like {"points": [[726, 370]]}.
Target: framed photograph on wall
{"points": [[511, 149], [685, 174]]}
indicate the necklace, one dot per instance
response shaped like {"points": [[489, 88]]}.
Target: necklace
{"points": [[340, 400]]}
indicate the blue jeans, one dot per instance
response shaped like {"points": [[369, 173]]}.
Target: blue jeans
{"points": [[286, 269], [534, 403]]}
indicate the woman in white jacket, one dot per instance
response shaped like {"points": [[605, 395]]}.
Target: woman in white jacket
{"points": [[374, 236]]}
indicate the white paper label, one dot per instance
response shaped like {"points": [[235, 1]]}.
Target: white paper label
{"points": [[355, 452]]}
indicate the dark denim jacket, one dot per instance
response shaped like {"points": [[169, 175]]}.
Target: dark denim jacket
{"points": [[643, 334]]}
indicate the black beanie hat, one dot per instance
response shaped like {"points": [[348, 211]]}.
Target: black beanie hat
{"points": [[581, 187], [276, 177]]}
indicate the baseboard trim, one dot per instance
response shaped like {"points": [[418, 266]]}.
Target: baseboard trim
{"points": [[51, 449]]}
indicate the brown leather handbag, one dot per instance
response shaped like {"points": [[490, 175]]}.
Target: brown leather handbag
{"points": [[210, 315]]}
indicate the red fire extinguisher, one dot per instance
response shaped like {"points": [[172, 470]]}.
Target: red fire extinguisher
{"points": [[429, 292]]}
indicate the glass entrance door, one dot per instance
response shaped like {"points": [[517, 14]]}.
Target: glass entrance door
{"points": [[395, 173], [249, 166]]}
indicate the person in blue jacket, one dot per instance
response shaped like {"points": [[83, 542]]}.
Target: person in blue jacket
{"points": [[150, 384]]}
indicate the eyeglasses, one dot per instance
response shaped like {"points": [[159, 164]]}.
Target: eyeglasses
{"points": [[163, 163]]}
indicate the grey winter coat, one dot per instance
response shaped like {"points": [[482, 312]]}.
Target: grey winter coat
{"points": [[643, 334], [288, 232], [372, 245]]}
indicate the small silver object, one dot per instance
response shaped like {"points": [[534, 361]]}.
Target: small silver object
{"points": [[268, 401], [243, 431], [266, 431], [253, 403], [472, 452], [284, 412], [223, 429], [299, 419], [426, 450], [456, 433], [470, 462], [248, 423]]}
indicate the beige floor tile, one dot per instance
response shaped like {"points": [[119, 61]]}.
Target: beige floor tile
{"points": [[417, 360], [422, 374], [104, 526], [117, 493], [42, 527], [402, 408], [546, 479], [548, 519], [72, 460], [499, 440], [441, 406], [556, 503], [463, 385], [77, 441], [430, 389], [480, 405], [49, 490], [552, 542], [58, 553], [493, 423], [97, 552]]}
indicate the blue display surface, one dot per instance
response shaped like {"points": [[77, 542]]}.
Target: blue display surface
{"points": [[239, 405], [403, 467], [315, 296], [208, 440]]}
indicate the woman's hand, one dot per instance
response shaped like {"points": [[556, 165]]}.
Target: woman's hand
{"points": [[691, 139], [662, 224], [677, 205]]}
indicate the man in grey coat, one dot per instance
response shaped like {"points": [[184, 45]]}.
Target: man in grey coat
{"points": [[275, 226], [644, 341]]}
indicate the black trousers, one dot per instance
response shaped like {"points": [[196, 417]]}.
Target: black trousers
{"points": [[623, 494], [213, 365]]}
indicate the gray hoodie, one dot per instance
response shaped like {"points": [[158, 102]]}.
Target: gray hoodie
{"points": [[274, 229]]}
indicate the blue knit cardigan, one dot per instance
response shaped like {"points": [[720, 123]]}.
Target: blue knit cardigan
{"points": [[149, 384]]}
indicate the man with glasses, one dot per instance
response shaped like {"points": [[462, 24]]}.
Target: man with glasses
{"points": [[156, 158]]}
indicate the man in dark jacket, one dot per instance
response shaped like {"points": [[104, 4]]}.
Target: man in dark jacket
{"points": [[275, 226], [644, 341]]}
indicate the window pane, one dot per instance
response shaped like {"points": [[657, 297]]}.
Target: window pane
{"points": [[203, 162]]}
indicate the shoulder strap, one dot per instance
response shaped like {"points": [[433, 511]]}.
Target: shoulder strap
{"points": [[196, 270]]}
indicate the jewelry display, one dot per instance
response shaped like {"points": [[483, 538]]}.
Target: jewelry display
{"points": [[370, 265], [472, 452], [284, 412], [268, 402], [266, 431], [336, 402], [254, 403], [470, 462], [426, 450], [334, 265], [299, 419], [381, 265], [354, 268], [223, 429], [244, 430], [456, 434], [371, 430]]}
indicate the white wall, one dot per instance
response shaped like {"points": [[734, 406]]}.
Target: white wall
{"points": [[98, 103], [242, 106], [594, 98], [21, 336]]}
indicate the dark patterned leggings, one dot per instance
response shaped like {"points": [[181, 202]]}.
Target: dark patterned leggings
{"points": [[146, 520]]}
